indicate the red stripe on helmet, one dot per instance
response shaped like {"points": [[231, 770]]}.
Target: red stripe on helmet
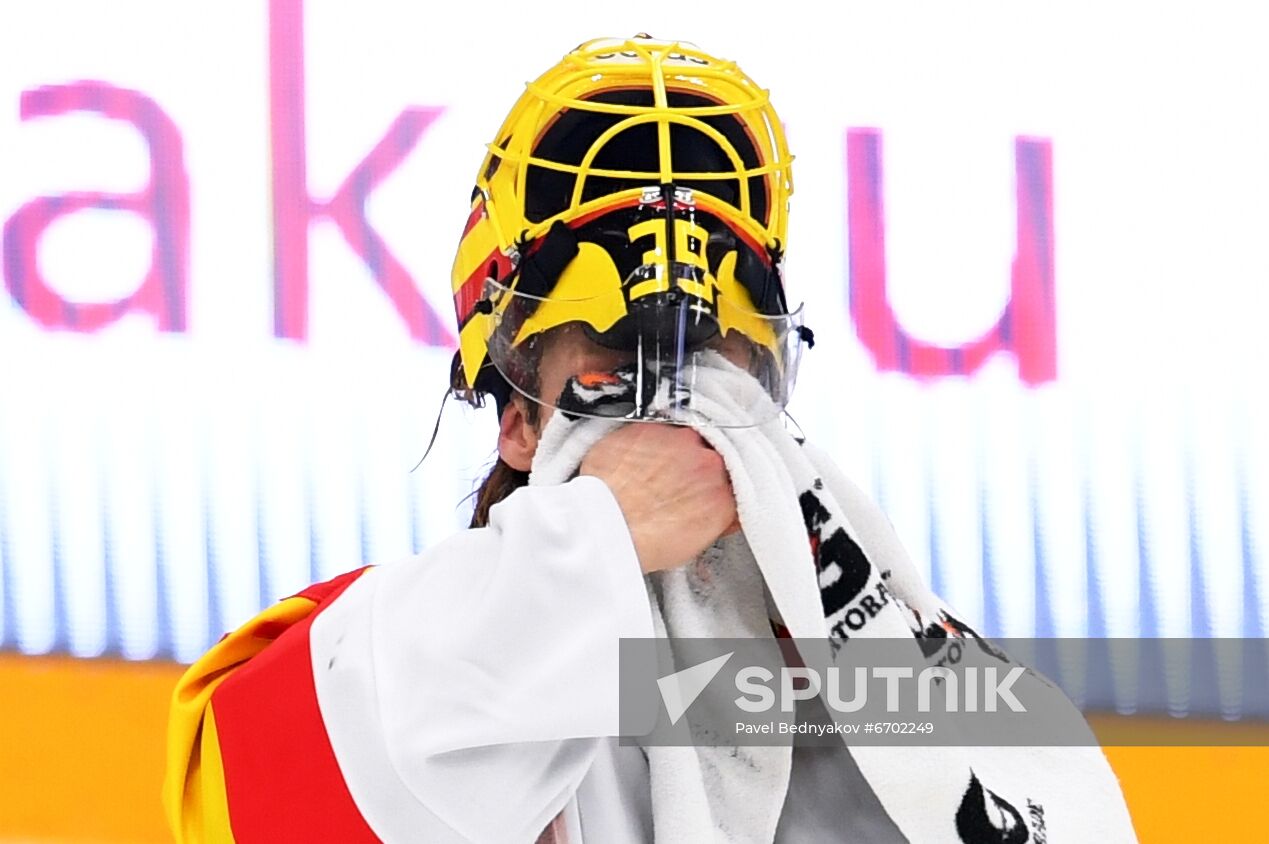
{"points": [[471, 290], [476, 214]]}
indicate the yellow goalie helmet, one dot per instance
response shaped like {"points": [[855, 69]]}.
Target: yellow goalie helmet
{"points": [[634, 204]]}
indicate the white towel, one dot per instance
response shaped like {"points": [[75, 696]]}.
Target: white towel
{"points": [[853, 579]]}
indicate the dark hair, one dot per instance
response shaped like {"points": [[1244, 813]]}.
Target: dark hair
{"points": [[502, 479]]}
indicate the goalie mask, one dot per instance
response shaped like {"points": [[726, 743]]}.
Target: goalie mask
{"points": [[633, 209]]}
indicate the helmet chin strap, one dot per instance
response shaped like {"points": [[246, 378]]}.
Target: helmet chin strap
{"points": [[540, 270]]}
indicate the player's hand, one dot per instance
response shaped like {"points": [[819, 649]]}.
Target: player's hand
{"points": [[672, 488]]}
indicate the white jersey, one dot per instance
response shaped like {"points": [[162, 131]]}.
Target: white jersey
{"points": [[470, 693]]}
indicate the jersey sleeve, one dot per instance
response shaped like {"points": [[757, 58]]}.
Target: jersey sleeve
{"points": [[244, 723], [455, 696]]}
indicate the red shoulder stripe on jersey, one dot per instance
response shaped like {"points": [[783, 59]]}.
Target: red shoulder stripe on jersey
{"points": [[281, 777], [323, 592]]}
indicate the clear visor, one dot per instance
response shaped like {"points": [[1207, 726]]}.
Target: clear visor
{"points": [[668, 356]]}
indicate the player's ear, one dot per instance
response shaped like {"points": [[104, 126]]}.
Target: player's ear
{"points": [[517, 436]]}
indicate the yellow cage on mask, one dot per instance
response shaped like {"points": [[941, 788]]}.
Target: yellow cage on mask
{"points": [[655, 143]]}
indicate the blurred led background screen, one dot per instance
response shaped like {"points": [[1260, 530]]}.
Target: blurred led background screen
{"points": [[1035, 268]]}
